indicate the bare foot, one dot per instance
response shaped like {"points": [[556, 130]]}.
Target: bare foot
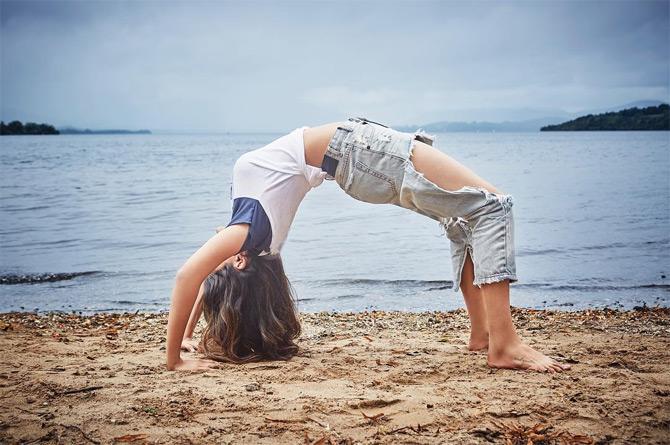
{"points": [[521, 356], [478, 342]]}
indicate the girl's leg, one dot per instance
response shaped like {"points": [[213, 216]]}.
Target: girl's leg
{"points": [[505, 347], [445, 171], [474, 301]]}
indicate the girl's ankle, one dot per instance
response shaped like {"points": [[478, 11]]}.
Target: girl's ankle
{"points": [[502, 347]]}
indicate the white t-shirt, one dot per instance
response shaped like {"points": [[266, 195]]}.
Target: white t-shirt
{"points": [[278, 177]]}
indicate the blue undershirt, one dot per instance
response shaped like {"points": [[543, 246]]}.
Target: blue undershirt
{"points": [[250, 211]]}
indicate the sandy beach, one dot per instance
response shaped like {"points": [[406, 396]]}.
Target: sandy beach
{"points": [[372, 377]]}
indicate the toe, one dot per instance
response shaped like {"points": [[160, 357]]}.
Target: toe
{"points": [[556, 368], [554, 365], [551, 369], [560, 365], [557, 365]]}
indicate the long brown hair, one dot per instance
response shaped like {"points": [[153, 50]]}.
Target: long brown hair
{"points": [[250, 313]]}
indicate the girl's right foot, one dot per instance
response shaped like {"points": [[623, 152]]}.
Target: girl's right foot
{"points": [[521, 356]]}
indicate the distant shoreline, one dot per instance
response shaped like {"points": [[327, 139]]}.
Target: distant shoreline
{"points": [[631, 119], [17, 128], [110, 131]]}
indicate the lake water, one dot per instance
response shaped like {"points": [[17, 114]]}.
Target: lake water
{"points": [[592, 222]]}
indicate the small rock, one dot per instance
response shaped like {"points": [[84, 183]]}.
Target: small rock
{"points": [[252, 387]]}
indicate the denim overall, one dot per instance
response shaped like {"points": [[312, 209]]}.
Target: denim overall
{"points": [[372, 163]]}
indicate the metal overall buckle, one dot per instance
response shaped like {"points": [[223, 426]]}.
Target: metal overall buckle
{"points": [[366, 120]]}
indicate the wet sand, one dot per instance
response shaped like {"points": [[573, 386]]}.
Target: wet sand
{"points": [[373, 377]]}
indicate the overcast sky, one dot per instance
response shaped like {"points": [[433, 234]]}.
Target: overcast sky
{"points": [[270, 66]]}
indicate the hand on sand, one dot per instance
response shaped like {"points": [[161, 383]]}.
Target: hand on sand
{"points": [[521, 356], [189, 345], [193, 365]]}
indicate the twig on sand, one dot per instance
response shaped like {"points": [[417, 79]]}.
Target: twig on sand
{"points": [[75, 427], [376, 403], [75, 391], [48, 436], [418, 429], [402, 429], [269, 419], [318, 422], [373, 418], [517, 433], [131, 438], [303, 420]]}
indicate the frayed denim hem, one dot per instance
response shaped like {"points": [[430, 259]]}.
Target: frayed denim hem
{"points": [[495, 278], [457, 277]]}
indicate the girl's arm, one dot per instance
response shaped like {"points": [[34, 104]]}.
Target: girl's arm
{"points": [[190, 276], [187, 343]]}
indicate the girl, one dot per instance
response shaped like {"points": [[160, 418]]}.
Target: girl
{"points": [[237, 277]]}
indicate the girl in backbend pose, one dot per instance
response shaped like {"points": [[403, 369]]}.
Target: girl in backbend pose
{"points": [[236, 278]]}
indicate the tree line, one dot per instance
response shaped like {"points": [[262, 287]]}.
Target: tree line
{"points": [[649, 118], [16, 127]]}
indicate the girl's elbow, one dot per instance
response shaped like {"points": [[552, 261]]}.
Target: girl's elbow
{"points": [[182, 275], [187, 277]]}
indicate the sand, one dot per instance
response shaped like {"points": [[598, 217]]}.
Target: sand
{"points": [[373, 377]]}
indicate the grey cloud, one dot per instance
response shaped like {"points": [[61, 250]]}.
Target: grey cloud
{"points": [[239, 66]]}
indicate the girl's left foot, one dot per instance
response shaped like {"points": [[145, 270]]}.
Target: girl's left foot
{"points": [[521, 356], [478, 342]]}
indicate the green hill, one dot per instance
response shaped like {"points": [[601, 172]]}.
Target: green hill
{"points": [[30, 128], [630, 119]]}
